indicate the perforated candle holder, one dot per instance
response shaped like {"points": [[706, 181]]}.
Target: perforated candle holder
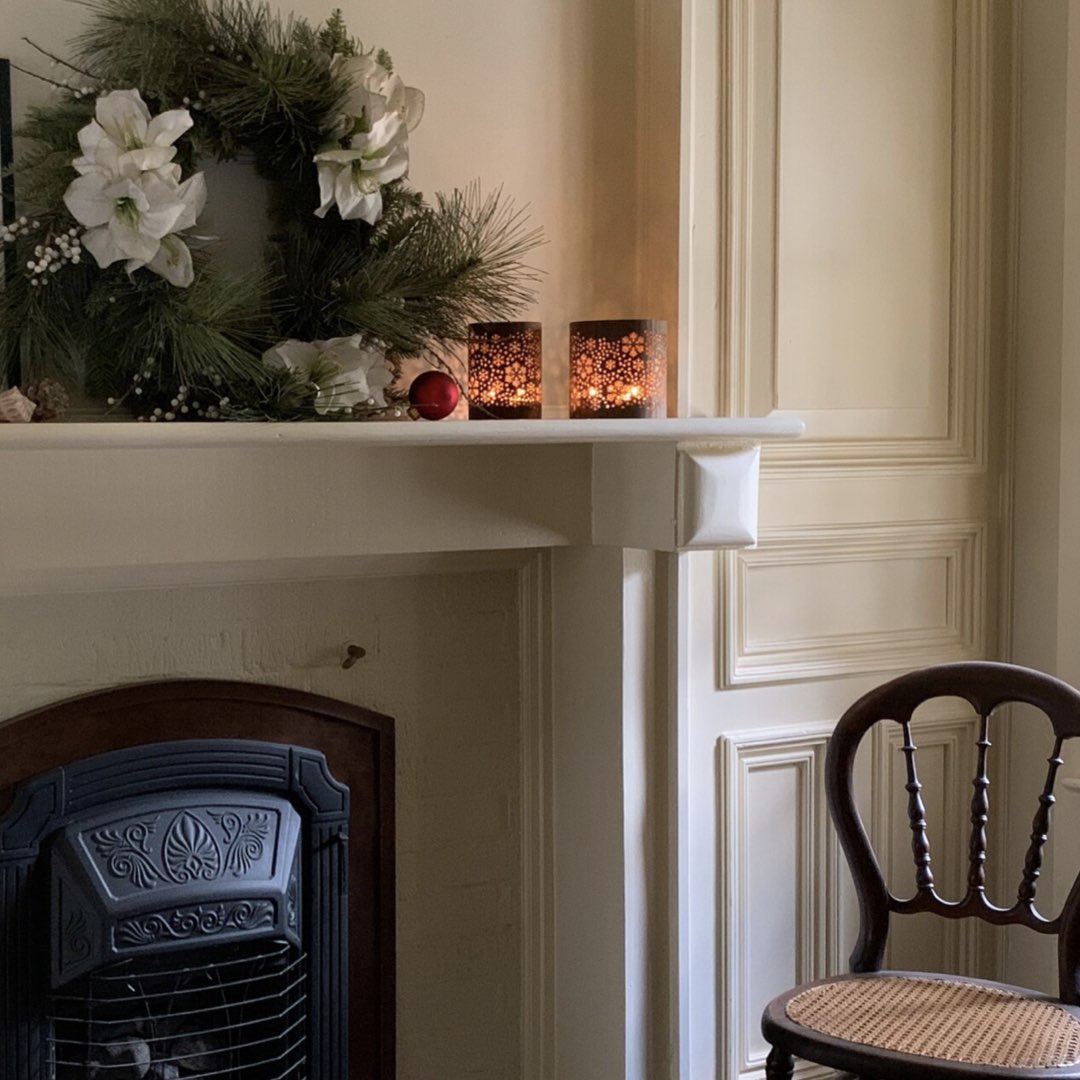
{"points": [[618, 369], [505, 371]]}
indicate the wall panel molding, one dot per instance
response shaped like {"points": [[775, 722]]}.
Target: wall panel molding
{"points": [[797, 852], [537, 885], [820, 602], [749, 285]]}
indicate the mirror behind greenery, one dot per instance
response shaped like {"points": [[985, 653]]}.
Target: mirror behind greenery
{"points": [[119, 293]]}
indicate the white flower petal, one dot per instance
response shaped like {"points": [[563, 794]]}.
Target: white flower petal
{"points": [[90, 138], [327, 178], [124, 188], [338, 157], [160, 221], [354, 204], [170, 174], [349, 372], [291, 355], [164, 209], [145, 159], [385, 170], [341, 344], [393, 89], [412, 109], [88, 201], [131, 241], [374, 92], [101, 244], [192, 193], [167, 127], [386, 133], [124, 116], [173, 262]]}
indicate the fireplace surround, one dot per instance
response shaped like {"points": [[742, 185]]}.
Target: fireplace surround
{"points": [[219, 905], [545, 707]]}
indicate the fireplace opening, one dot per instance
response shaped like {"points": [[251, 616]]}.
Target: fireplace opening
{"points": [[201, 909], [237, 1012]]}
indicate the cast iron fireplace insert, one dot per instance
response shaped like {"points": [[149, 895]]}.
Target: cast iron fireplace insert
{"points": [[182, 909]]}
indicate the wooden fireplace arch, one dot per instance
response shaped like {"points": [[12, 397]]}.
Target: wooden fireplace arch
{"points": [[359, 748]]}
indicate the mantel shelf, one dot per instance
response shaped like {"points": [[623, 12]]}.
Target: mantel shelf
{"points": [[490, 433], [107, 505]]}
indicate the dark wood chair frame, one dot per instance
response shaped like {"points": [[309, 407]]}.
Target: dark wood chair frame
{"points": [[986, 686]]}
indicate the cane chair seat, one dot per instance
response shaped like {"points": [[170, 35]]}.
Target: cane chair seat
{"points": [[943, 1018]]}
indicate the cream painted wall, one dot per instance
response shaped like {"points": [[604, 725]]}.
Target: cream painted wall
{"points": [[1046, 512], [571, 105]]}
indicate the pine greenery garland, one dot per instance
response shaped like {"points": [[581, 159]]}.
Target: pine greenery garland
{"points": [[263, 85]]}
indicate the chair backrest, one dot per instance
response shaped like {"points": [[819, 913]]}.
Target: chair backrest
{"points": [[986, 686]]}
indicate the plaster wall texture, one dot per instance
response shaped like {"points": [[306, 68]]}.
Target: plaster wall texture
{"points": [[442, 659]]}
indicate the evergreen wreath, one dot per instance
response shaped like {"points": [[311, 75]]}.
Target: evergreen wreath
{"points": [[114, 288]]}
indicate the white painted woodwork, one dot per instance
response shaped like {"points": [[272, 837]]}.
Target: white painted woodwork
{"points": [[827, 601], [609, 780], [558, 761], [845, 226], [285, 501], [772, 785], [719, 508]]}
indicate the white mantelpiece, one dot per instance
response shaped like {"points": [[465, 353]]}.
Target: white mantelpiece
{"points": [[548, 677], [104, 505]]}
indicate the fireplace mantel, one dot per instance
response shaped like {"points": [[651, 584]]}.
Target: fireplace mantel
{"points": [[602, 632], [109, 505]]}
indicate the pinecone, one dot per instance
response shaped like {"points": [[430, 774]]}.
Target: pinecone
{"points": [[50, 397]]}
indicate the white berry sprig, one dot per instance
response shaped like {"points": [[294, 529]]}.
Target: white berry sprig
{"points": [[58, 251], [23, 227]]}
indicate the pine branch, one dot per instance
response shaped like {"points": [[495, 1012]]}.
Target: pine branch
{"points": [[215, 331], [461, 262]]}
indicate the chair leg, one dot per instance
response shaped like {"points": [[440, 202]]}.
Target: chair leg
{"points": [[779, 1065]]}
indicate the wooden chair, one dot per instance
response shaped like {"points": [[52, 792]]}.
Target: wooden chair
{"points": [[899, 1025]]}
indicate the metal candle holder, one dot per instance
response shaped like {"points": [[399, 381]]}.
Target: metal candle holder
{"points": [[618, 369], [505, 371]]}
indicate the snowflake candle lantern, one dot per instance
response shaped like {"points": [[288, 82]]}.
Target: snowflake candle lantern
{"points": [[504, 371], [618, 369]]}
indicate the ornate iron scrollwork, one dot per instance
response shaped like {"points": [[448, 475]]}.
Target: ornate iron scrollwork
{"points": [[197, 921]]}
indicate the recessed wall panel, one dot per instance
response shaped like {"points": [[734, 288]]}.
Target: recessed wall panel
{"points": [[864, 213], [830, 601]]}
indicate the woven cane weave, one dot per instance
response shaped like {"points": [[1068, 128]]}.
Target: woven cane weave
{"points": [[942, 1018]]}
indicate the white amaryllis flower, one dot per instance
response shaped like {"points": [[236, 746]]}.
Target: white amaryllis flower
{"points": [[173, 260], [345, 370], [353, 177], [133, 219], [124, 140], [374, 91]]}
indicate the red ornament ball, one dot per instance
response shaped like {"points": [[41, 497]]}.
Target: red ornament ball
{"points": [[434, 394]]}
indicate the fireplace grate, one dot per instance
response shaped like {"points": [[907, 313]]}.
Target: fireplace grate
{"points": [[238, 1012]]}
